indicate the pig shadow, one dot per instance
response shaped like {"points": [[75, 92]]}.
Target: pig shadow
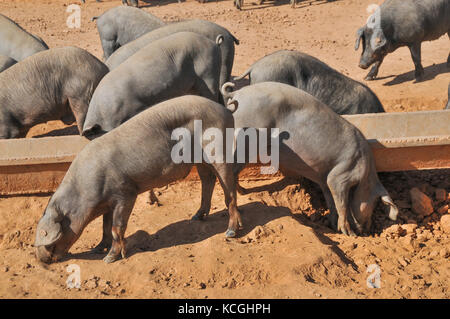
{"points": [[430, 72], [71, 130], [193, 231], [190, 232], [253, 215]]}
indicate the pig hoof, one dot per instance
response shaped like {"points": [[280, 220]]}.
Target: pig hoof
{"points": [[230, 233], [419, 77], [199, 216], [332, 219], [346, 230], [100, 248], [156, 203], [369, 77], [111, 258]]}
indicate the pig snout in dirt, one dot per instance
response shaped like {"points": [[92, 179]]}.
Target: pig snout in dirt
{"points": [[343, 166], [108, 174]]}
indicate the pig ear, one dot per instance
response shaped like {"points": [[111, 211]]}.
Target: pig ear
{"points": [[393, 209], [387, 200], [378, 39], [49, 229], [359, 35]]}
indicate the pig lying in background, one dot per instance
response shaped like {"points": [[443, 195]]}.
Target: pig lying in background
{"points": [[121, 25], [400, 23], [6, 62], [341, 93], [55, 84], [207, 29], [108, 174], [183, 63], [319, 145], [17, 43]]}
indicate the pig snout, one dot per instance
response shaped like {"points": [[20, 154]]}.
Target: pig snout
{"points": [[363, 66], [45, 254], [366, 60], [92, 132]]}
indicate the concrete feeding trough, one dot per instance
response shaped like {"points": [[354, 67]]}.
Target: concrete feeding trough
{"points": [[399, 141], [408, 140]]}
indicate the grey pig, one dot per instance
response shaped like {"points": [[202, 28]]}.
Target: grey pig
{"points": [[55, 84], [318, 144], [120, 25], [182, 63], [341, 93], [402, 23], [108, 174], [6, 62], [17, 43], [202, 27]]}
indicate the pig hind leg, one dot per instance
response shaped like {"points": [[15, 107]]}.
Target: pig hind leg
{"points": [[106, 241], [415, 50], [228, 182], [79, 110], [120, 216], [208, 88], [109, 46], [208, 179]]}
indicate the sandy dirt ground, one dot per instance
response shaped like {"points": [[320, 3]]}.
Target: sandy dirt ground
{"points": [[286, 249]]}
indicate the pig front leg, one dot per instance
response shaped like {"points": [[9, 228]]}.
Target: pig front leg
{"points": [[121, 214], [373, 71], [333, 216], [208, 180], [339, 184]]}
